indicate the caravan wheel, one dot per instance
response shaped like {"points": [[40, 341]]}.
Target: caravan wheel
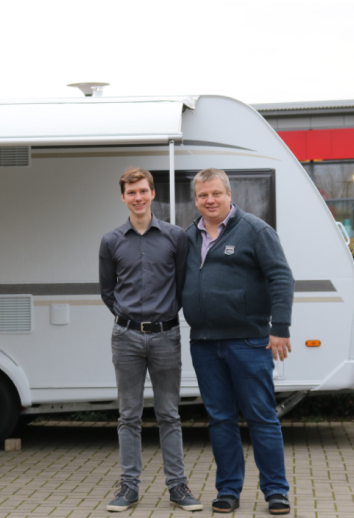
{"points": [[9, 406]]}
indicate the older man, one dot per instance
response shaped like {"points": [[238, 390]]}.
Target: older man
{"points": [[237, 281]]}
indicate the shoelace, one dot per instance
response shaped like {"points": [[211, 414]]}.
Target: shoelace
{"points": [[183, 489], [122, 489]]}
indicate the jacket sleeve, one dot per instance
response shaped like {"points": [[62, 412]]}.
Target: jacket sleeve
{"points": [[275, 268], [107, 275], [181, 265]]}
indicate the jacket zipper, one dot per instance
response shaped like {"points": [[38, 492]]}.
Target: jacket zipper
{"points": [[201, 268], [200, 278]]}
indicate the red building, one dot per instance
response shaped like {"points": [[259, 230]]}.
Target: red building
{"points": [[321, 136]]}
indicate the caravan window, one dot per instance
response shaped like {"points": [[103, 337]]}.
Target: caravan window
{"points": [[335, 182], [253, 191]]}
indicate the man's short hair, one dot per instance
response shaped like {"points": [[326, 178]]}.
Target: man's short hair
{"points": [[210, 174], [135, 174]]}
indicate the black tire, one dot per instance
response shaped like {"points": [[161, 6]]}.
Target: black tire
{"points": [[10, 405], [21, 425]]}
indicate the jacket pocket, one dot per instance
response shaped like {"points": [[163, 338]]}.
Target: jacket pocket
{"points": [[224, 308]]}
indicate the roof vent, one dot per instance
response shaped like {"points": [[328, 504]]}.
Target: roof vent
{"points": [[90, 89], [15, 313], [14, 156]]}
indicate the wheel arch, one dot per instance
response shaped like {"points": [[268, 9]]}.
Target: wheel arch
{"points": [[17, 376]]}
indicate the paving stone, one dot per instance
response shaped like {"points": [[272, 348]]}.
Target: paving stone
{"points": [[71, 469]]}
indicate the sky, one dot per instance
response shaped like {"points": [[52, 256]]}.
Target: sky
{"points": [[258, 52]]}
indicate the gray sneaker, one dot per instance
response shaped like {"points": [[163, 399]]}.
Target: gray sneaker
{"points": [[125, 497], [182, 497]]}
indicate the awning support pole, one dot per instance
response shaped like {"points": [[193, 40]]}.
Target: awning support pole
{"points": [[172, 184]]}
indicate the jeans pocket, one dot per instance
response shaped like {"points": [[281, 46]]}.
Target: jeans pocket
{"points": [[174, 334], [118, 330], [257, 343]]}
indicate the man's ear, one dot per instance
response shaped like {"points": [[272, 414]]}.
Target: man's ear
{"points": [[122, 196], [153, 192]]}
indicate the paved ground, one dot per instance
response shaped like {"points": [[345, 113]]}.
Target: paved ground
{"points": [[70, 470]]}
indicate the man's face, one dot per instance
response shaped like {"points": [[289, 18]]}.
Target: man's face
{"points": [[138, 197], [212, 200]]}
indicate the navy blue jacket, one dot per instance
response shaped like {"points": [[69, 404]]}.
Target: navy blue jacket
{"points": [[244, 283]]}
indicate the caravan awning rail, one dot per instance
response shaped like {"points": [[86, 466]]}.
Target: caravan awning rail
{"points": [[92, 140], [90, 123]]}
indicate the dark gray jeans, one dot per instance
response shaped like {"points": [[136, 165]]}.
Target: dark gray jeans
{"points": [[133, 353]]}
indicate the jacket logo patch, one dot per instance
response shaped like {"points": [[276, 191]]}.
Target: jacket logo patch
{"points": [[229, 250]]}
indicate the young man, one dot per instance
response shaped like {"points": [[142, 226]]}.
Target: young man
{"points": [[238, 280], [142, 269]]}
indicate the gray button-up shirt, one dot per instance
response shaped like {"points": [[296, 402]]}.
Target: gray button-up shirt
{"points": [[142, 276]]}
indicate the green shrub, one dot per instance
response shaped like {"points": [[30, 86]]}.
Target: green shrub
{"points": [[351, 246], [327, 408], [314, 409]]}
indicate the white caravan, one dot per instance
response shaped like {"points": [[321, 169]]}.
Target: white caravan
{"points": [[60, 163]]}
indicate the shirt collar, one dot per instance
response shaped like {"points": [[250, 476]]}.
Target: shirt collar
{"points": [[155, 222], [201, 223], [128, 226]]}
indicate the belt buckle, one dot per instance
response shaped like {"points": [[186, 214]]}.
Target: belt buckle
{"points": [[142, 327]]}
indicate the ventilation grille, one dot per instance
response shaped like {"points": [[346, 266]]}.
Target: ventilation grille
{"points": [[15, 313], [14, 156]]}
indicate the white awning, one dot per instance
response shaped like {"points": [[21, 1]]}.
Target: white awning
{"points": [[90, 121]]}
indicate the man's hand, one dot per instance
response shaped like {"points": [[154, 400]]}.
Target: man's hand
{"points": [[279, 346]]}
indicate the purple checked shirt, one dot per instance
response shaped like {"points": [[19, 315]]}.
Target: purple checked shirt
{"points": [[207, 241]]}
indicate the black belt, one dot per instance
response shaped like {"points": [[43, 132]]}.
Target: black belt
{"points": [[147, 327]]}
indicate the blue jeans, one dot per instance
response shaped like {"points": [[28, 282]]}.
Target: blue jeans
{"points": [[236, 375]]}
